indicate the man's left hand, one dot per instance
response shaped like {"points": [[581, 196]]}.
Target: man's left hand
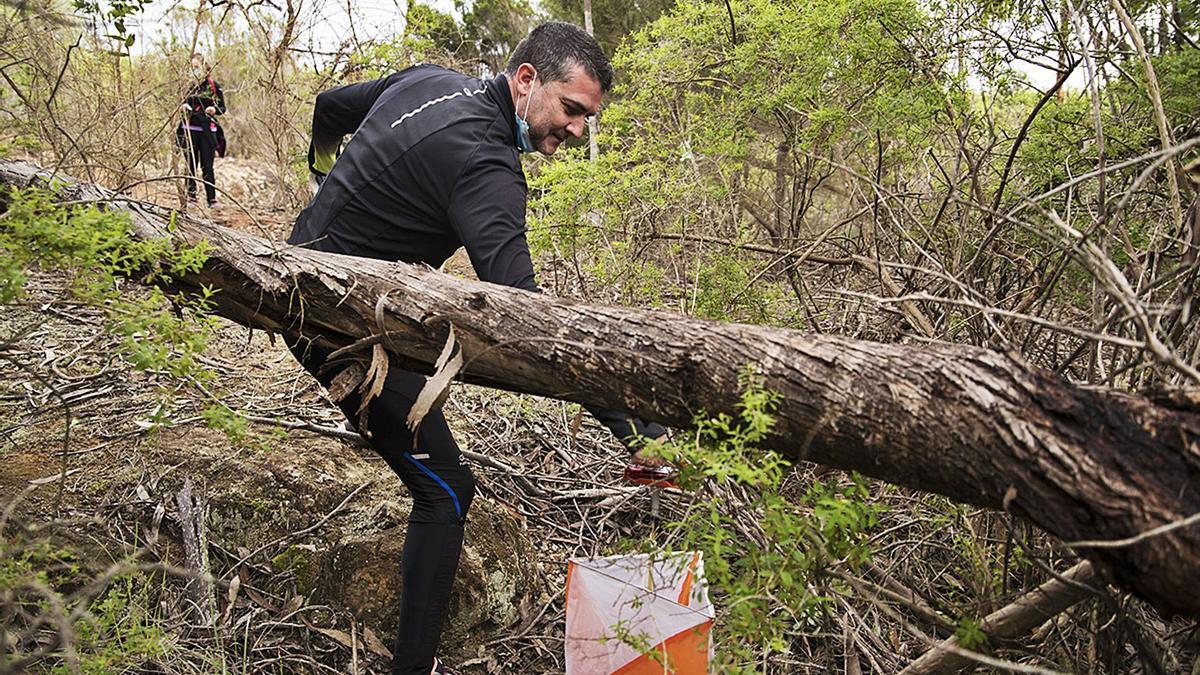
{"points": [[646, 468], [644, 457]]}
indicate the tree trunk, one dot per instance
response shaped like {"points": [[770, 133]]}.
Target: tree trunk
{"points": [[978, 426], [593, 121]]}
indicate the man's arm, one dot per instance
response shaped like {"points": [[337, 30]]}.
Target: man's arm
{"points": [[487, 210], [630, 430], [337, 113]]}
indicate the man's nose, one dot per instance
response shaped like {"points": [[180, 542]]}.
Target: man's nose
{"points": [[575, 128]]}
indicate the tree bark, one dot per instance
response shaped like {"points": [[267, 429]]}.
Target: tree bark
{"points": [[978, 426], [593, 120]]}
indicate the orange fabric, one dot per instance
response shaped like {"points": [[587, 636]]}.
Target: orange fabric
{"points": [[567, 593], [685, 593], [686, 652]]}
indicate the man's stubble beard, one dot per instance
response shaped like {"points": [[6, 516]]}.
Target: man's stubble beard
{"points": [[541, 138]]}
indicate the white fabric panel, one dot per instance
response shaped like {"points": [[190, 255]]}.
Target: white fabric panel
{"points": [[634, 597]]}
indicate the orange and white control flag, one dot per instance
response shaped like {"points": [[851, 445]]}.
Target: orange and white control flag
{"points": [[637, 614]]}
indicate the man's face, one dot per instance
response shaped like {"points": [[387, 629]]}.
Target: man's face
{"points": [[559, 110]]}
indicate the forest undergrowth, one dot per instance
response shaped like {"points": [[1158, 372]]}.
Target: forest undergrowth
{"points": [[91, 553], [879, 170]]}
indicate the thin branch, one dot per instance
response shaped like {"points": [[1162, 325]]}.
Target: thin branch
{"points": [[1138, 538]]}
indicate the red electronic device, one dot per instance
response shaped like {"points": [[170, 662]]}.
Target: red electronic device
{"points": [[654, 476]]}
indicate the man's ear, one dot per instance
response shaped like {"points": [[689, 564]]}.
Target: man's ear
{"points": [[525, 76]]}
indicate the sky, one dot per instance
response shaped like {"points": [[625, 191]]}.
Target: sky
{"points": [[327, 24]]}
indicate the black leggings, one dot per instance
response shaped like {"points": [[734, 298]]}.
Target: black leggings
{"points": [[442, 488], [203, 150]]}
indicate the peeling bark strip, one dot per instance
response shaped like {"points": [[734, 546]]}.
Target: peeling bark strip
{"points": [[978, 426]]}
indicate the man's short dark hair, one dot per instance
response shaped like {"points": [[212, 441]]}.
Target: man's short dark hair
{"points": [[555, 47]]}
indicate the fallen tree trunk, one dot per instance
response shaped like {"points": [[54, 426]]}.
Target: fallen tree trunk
{"points": [[978, 426]]}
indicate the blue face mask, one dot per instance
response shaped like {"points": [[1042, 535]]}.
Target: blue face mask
{"points": [[524, 141]]}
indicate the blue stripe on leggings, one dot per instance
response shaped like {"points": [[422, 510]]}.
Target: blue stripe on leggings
{"points": [[434, 476]]}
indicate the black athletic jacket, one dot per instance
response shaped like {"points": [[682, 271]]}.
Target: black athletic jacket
{"points": [[207, 93], [432, 165]]}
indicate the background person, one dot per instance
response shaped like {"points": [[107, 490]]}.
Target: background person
{"points": [[198, 133]]}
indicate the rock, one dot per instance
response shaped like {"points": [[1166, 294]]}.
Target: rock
{"points": [[361, 572], [353, 560]]}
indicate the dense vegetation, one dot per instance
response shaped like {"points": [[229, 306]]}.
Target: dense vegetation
{"points": [[1015, 175]]}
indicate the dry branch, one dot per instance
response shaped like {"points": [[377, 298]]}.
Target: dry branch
{"points": [[1014, 620], [978, 426], [193, 516]]}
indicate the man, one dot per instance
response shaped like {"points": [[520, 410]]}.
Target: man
{"points": [[433, 165]]}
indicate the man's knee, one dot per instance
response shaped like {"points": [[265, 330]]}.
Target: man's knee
{"points": [[462, 482], [440, 494], [468, 492]]}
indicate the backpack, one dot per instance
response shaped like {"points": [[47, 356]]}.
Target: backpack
{"points": [[219, 133]]}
